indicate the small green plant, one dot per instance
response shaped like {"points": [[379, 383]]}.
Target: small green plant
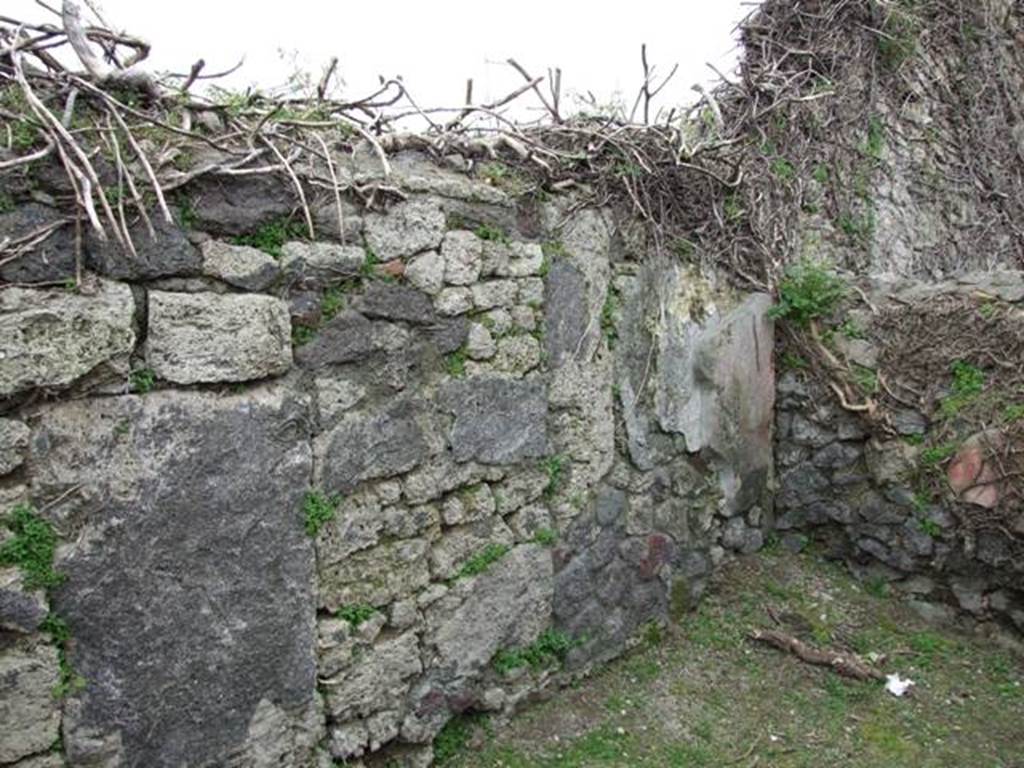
{"points": [[23, 131], [851, 330], [555, 468], [968, 383], [453, 740], [936, 454], [356, 614], [455, 363], [653, 634], [500, 175], [114, 195], [808, 290], [624, 168], [272, 236], [913, 439], [820, 174], [967, 379], [31, 548], [988, 309], [70, 682], [929, 527], [368, 269], [548, 650], [332, 302], [318, 510], [794, 362], [492, 233], [6, 203], [1013, 412], [857, 227], [302, 334], [783, 169], [866, 379], [142, 380], [553, 249], [483, 560], [545, 537]]}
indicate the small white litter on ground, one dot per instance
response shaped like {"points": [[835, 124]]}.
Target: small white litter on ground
{"points": [[896, 685]]}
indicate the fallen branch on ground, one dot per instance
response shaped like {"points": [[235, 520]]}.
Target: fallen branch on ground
{"points": [[845, 664]]}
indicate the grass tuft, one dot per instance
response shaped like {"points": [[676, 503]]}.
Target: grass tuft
{"points": [[31, 548]]}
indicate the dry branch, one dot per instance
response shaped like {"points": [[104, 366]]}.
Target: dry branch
{"points": [[845, 664]]}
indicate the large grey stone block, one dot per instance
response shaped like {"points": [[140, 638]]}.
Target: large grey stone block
{"points": [[206, 337], [367, 447], [405, 229], [52, 338], [240, 265], [497, 420], [189, 591], [166, 252]]}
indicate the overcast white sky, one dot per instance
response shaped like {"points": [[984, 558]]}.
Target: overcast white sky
{"points": [[435, 46]]}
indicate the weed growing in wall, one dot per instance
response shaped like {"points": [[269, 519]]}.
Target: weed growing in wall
{"points": [[356, 614], [142, 380], [455, 363], [548, 650], [318, 510], [332, 303], [555, 468], [483, 560], [302, 334], [808, 290], [492, 233], [545, 537], [968, 383], [368, 269], [70, 681], [30, 548], [272, 236]]}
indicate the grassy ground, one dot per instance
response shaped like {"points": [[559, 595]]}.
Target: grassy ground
{"points": [[702, 694]]}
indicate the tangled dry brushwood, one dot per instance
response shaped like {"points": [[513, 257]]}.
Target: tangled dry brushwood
{"points": [[722, 182]]}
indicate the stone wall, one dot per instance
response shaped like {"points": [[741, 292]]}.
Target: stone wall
{"points": [[857, 490], [536, 436]]}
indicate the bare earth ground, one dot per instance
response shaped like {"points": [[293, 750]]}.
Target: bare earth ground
{"points": [[704, 695]]}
